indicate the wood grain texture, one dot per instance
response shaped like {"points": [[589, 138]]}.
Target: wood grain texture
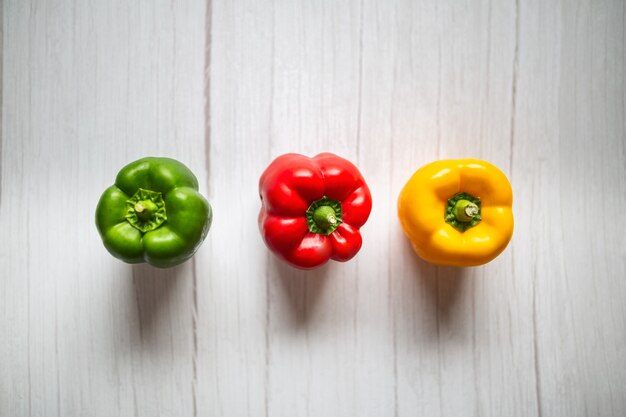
{"points": [[537, 88]]}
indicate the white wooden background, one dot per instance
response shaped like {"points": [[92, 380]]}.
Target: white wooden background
{"points": [[536, 87]]}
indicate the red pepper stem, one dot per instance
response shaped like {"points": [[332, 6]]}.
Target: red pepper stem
{"points": [[325, 217], [145, 209]]}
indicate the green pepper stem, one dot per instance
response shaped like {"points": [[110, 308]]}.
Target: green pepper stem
{"points": [[465, 210], [145, 209]]}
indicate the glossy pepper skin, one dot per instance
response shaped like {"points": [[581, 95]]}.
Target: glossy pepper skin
{"points": [[457, 212], [153, 213], [312, 209]]}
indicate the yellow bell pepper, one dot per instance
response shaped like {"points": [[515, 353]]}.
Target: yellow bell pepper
{"points": [[457, 212]]}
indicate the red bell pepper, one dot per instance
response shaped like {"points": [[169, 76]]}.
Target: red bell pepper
{"points": [[312, 209]]}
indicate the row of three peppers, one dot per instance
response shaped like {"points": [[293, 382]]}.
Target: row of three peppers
{"points": [[455, 212]]}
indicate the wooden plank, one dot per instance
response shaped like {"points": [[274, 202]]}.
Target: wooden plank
{"points": [[569, 155], [88, 87]]}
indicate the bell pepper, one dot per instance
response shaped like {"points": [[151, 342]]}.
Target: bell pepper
{"points": [[153, 213], [457, 212], [312, 209]]}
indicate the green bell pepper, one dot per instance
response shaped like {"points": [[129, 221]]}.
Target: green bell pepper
{"points": [[153, 213]]}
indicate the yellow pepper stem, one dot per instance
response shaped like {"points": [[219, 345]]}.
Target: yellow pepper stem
{"points": [[465, 210]]}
